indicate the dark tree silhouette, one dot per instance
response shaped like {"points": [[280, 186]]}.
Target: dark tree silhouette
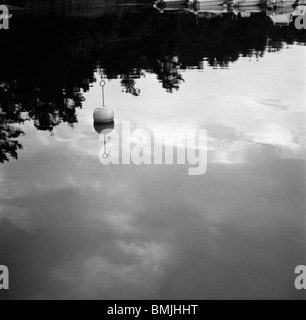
{"points": [[48, 58], [168, 73], [8, 142]]}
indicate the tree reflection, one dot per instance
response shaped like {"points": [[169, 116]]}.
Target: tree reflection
{"points": [[10, 113], [128, 82], [168, 73], [45, 69], [8, 142]]}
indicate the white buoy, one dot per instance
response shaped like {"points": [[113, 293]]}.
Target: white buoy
{"points": [[103, 115]]}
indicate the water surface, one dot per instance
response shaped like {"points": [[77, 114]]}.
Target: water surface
{"points": [[73, 228]]}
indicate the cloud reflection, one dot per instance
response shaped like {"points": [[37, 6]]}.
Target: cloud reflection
{"points": [[82, 230]]}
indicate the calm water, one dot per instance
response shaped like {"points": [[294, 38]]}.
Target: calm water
{"points": [[73, 228]]}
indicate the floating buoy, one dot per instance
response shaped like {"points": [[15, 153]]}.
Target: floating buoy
{"points": [[103, 114], [104, 128]]}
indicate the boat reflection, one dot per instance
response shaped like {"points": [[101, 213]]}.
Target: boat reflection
{"points": [[209, 9], [246, 12], [283, 16], [281, 12], [169, 6], [246, 3], [281, 3]]}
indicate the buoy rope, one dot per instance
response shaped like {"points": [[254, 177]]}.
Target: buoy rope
{"points": [[102, 84], [105, 154]]}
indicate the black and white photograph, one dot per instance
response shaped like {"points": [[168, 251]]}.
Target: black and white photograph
{"points": [[152, 153]]}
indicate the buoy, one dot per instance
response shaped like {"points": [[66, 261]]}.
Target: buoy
{"points": [[104, 128], [103, 114]]}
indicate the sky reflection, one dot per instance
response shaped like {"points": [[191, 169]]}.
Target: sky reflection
{"points": [[73, 228]]}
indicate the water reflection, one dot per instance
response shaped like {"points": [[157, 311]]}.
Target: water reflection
{"points": [[48, 68], [149, 231]]}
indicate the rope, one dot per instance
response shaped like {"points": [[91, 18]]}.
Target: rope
{"points": [[102, 84], [105, 154]]}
